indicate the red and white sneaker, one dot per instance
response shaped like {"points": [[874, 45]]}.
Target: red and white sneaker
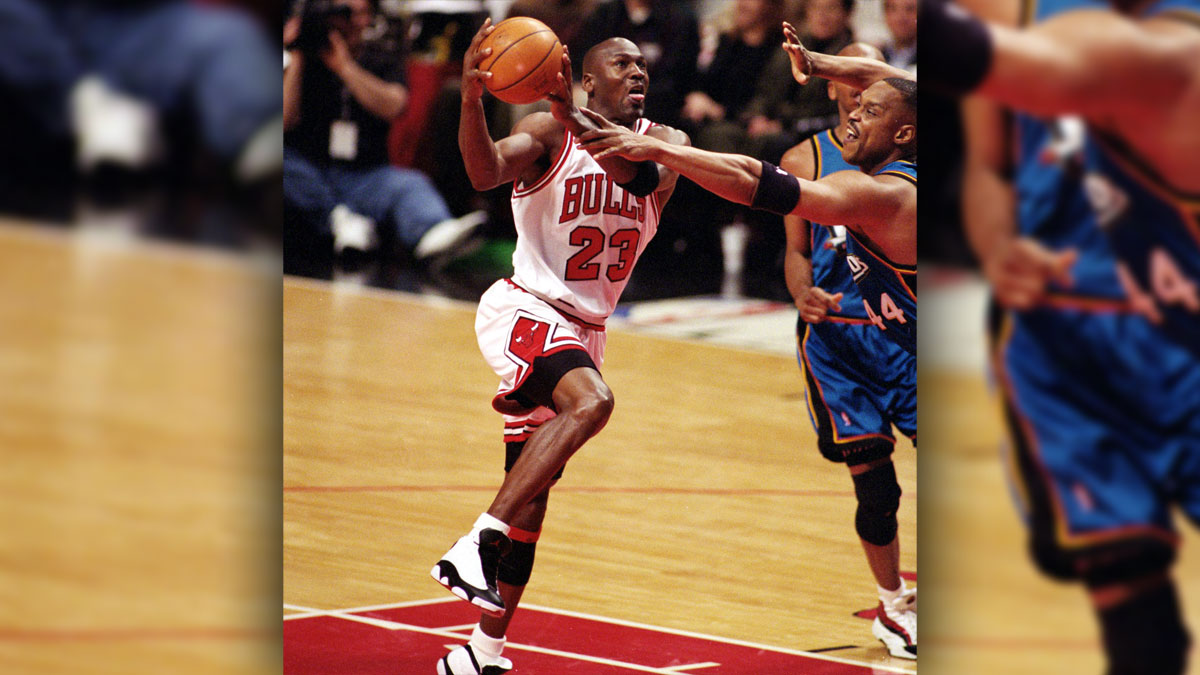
{"points": [[896, 625]]}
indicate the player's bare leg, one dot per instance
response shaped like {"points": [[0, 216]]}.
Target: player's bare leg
{"points": [[487, 640], [584, 403], [878, 498], [469, 570]]}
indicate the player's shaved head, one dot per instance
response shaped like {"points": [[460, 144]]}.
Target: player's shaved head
{"points": [[863, 50], [594, 57]]}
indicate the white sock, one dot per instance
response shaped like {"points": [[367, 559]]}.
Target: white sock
{"points": [[487, 647], [889, 597], [485, 522]]}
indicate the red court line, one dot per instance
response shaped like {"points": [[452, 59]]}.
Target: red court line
{"points": [[1013, 643], [719, 492], [130, 634]]}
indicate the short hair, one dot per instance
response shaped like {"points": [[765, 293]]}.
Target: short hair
{"points": [[907, 89], [590, 58]]}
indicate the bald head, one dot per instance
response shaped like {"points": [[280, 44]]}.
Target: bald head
{"points": [[596, 56], [845, 95], [863, 50]]}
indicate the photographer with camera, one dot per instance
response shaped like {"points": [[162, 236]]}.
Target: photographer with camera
{"points": [[340, 96]]}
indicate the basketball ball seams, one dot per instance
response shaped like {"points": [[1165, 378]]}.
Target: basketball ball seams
{"points": [[491, 62], [514, 60], [533, 69]]}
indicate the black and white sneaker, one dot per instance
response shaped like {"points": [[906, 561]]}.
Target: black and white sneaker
{"points": [[469, 569], [463, 661], [896, 626]]}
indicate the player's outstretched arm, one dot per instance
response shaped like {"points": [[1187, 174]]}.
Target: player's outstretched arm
{"points": [[733, 177], [490, 163], [666, 176], [1088, 62], [852, 71], [852, 198], [1092, 63]]}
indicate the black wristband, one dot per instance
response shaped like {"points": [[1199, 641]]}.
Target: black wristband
{"points": [[644, 182], [956, 47], [778, 191]]}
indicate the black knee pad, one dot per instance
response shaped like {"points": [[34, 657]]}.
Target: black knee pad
{"points": [[1145, 635], [516, 567], [878, 494], [851, 454]]}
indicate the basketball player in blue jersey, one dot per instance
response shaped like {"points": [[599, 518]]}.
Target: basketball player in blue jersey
{"points": [[858, 382], [1094, 251], [876, 201]]}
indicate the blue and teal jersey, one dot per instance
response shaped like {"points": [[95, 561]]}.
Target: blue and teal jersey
{"points": [[1154, 227], [829, 268], [888, 289], [1138, 238]]}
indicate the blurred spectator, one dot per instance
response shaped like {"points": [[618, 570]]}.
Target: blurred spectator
{"points": [[179, 91], [901, 19], [712, 115], [37, 71], [341, 94], [782, 111], [712, 111], [565, 17], [667, 33]]}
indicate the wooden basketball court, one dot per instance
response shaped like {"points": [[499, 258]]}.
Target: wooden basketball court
{"points": [[137, 532], [703, 508]]}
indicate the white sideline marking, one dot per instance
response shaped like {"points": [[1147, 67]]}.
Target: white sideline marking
{"points": [[714, 638], [310, 612], [393, 625]]}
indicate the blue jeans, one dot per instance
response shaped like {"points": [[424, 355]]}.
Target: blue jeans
{"points": [[217, 61], [400, 198], [38, 68], [210, 65]]}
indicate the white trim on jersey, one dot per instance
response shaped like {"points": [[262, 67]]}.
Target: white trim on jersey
{"points": [[563, 152], [579, 233]]}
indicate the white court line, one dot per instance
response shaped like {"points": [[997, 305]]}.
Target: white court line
{"points": [[393, 625], [693, 666], [631, 624], [714, 638]]}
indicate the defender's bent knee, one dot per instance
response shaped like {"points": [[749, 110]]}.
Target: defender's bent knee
{"points": [[878, 494]]}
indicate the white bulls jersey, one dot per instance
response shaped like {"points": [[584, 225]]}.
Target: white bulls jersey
{"points": [[579, 234]]}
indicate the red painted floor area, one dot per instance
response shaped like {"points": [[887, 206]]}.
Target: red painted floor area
{"points": [[331, 645]]}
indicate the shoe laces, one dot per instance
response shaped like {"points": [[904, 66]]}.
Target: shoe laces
{"points": [[907, 601], [903, 615]]}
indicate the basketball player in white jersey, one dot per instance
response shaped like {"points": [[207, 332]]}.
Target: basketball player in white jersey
{"points": [[581, 225]]}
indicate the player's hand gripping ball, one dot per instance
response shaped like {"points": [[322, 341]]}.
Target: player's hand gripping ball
{"points": [[525, 61]]}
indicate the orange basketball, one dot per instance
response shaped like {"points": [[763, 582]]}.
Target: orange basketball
{"points": [[525, 60]]}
